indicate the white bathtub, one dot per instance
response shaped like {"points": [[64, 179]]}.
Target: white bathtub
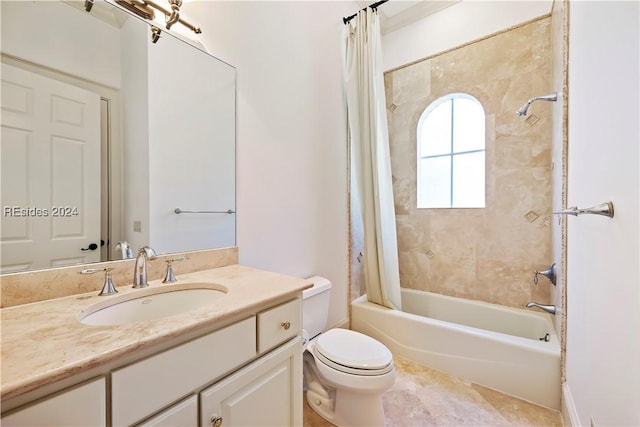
{"points": [[496, 346]]}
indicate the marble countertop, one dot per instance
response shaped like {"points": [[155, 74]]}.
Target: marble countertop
{"points": [[44, 342]]}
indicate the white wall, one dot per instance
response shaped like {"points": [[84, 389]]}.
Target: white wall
{"points": [[291, 143], [96, 43], [603, 277], [460, 23]]}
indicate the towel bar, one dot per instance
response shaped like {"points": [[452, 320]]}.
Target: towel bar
{"points": [[180, 211]]}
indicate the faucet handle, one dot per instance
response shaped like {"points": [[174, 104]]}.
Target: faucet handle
{"points": [[108, 288], [549, 273], [170, 277]]}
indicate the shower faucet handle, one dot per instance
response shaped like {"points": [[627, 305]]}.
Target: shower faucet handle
{"points": [[549, 273], [604, 209]]}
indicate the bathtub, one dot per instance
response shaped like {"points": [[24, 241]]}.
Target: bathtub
{"points": [[499, 347]]}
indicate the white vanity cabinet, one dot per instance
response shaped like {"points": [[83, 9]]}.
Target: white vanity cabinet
{"points": [[248, 373], [82, 405], [268, 391], [140, 389]]}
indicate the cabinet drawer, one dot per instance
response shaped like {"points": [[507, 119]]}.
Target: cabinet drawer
{"points": [[279, 324], [84, 405], [182, 414], [142, 388]]}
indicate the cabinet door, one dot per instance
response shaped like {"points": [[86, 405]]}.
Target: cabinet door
{"points": [[268, 392], [182, 414], [83, 405], [143, 388]]}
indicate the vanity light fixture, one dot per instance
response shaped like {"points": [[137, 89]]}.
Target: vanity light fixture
{"points": [[146, 9], [155, 33]]}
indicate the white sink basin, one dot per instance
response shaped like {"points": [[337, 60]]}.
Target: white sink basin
{"points": [[154, 304]]}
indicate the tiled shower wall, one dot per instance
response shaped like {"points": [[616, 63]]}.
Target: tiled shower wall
{"points": [[486, 254], [559, 35]]}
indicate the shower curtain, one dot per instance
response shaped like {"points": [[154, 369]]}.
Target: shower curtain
{"points": [[371, 185]]}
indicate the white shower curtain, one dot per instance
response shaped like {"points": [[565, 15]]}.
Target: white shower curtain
{"points": [[370, 162]]}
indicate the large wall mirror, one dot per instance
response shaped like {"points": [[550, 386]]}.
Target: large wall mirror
{"points": [[105, 134]]}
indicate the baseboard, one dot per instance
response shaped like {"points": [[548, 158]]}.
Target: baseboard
{"points": [[569, 413]]}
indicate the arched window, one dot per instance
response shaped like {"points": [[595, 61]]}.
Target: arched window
{"points": [[451, 151]]}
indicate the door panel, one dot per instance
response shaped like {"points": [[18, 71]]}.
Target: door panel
{"points": [[50, 150]]}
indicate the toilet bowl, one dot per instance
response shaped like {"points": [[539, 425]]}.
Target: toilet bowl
{"points": [[345, 372]]}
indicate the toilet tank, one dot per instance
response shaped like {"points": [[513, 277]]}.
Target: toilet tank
{"points": [[315, 306]]}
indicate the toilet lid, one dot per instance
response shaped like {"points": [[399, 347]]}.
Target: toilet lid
{"points": [[351, 349]]}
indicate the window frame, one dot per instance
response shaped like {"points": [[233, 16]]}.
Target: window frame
{"points": [[451, 154]]}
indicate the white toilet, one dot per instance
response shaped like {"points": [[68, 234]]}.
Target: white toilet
{"points": [[345, 372]]}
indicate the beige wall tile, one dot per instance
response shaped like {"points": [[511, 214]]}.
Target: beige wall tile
{"points": [[487, 254]]}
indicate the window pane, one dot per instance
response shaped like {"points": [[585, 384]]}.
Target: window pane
{"points": [[468, 180], [435, 132], [434, 183], [468, 125]]}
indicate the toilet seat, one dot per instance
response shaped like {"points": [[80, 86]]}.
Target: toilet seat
{"points": [[353, 353]]}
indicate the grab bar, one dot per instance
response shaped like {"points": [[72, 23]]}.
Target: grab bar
{"points": [[604, 209], [180, 211]]}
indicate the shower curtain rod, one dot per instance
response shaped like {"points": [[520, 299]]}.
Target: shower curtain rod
{"points": [[373, 6]]}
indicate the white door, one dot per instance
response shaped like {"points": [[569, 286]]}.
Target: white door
{"points": [[50, 159]]}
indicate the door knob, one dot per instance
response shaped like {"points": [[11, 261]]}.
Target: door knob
{"points": [[91, 247]]}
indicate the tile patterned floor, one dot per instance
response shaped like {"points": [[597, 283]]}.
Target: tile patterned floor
{"points": [[423, 397]]}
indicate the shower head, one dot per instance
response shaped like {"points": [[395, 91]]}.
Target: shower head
{"points": [[523, 110]]}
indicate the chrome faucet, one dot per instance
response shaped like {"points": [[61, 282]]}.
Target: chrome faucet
{"points": [[140, 273], [125, 249], [551, 309]]}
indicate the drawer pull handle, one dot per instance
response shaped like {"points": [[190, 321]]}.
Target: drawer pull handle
{"points": [[286, 325], [216, 421]]}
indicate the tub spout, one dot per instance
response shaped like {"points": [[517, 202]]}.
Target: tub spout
{"points": [[551, 309]]}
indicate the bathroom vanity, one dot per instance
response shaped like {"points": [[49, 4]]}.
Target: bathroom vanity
{"points": [[237, 361]]}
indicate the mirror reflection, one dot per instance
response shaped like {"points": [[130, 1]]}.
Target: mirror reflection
{"points": [[105, 134]]}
